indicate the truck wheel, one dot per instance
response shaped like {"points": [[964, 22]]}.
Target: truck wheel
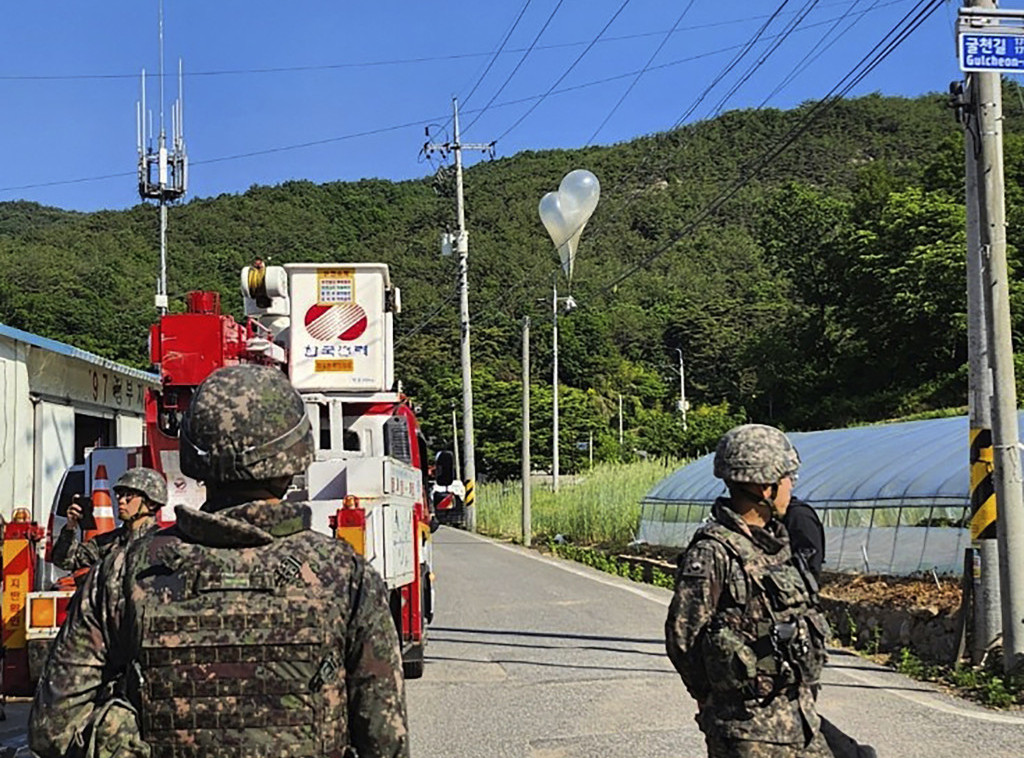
{"points": [[427, 599], [412, 662]]}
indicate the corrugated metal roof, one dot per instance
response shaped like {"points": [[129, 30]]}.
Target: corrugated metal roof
{"points": [[911, 463], [53, 346]]}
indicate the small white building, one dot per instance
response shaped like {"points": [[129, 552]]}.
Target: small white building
{"points": [[59, 401]]}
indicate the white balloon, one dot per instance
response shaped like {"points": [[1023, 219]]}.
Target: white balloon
{"points": [[582, 190], [552, 218], [566, 212]]}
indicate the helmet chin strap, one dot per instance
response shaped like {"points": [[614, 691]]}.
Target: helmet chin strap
{"points": [[769, 502], [143, 512]]}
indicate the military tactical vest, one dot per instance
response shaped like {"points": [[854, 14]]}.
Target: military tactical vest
{"points": [[238, 655], [768, 634]]}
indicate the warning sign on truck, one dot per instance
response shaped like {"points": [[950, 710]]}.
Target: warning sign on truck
{"points": [[335, 285]]}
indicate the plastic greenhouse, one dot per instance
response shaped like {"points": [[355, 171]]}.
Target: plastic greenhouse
{"points": [[894, 498]]}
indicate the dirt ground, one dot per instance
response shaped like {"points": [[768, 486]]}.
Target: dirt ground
{"points": [[903, 593], [940, 594]]}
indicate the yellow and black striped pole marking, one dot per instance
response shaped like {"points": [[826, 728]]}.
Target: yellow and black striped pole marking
{"points": [[983, 492], [470, 493]]}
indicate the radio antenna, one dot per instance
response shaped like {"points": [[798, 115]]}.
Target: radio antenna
{"points": [[163, 175]]}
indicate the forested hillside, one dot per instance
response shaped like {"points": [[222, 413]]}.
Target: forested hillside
{"points": [[828, 290]]}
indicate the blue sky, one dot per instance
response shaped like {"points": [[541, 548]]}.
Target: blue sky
{"points": [[262, 76]]}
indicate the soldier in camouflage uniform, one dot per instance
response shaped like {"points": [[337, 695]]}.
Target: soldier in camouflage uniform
{"points": [[140, 493], [744, 628], [239, 631]]}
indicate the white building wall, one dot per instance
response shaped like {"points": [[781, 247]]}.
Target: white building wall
{"points": [[55, 452], [129, 430], [42, 386], [17, 432]]}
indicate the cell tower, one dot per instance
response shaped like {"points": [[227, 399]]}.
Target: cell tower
{"points": [[163, 175]]}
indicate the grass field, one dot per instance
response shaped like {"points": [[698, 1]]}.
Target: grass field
{"points": [[600, 506]]}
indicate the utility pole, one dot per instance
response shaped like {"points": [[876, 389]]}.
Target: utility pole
{"points": [[162, 176], [462, 244], [985, 104], [554, 383], [682, 387], [455, 446], [569, 304], [987, 624], [620, 423], [527, 526]]}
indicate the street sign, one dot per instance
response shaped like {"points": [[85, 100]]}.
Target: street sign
{"points": [[991, 52]]}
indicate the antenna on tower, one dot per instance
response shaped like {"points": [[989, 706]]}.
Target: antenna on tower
{"points": [[163, 175]]}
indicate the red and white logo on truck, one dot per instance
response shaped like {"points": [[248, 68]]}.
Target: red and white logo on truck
{"points": [[338, 321]]}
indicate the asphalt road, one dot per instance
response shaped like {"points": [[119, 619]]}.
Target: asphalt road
{"points": [[535, 656]]}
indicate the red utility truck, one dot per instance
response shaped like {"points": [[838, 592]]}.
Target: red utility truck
{"points": [[330, 328]]}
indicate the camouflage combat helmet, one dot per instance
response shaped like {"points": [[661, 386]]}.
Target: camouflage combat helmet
{"points": [[245, 423], [145, 480], [755, 453]]}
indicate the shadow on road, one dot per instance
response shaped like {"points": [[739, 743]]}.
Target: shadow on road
{"points": [[860, 686], [555, 635], [546, 664], [505, 643]]}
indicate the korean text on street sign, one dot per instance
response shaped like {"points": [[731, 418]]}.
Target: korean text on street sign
{"points": [[991, 52]]}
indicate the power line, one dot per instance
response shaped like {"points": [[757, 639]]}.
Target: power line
{"points": [[224, 158], [392, 62], [746, 48], [422, 325], [515, 70], [814, 53], [834, 96], [489, 315], [498, 51], [730, 66], [419, 122], [643, 165], [558, 81], [794, 22], [642, 71]]}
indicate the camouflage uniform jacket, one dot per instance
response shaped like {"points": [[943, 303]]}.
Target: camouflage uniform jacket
{"points": [[71, 554], [235, 633], [734, 584]]}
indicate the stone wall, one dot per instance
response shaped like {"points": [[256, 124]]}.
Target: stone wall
{"points": [[931, 633]]}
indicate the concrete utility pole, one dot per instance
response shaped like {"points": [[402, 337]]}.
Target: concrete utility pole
{"points": [[682, 387], [569, 304], [455, 445], [620, 423], [1009, 484], [527, 526], [462, 244], [987, 624], [554, 383]]}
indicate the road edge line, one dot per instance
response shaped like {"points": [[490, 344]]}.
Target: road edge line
{"points": [[586, 572]]}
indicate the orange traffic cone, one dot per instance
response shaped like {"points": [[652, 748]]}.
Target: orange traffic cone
{"points": [[102, 505]]}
